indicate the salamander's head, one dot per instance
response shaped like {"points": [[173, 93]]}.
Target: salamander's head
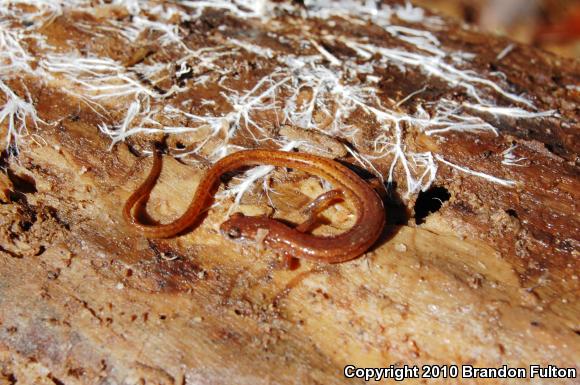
{"points": [[240, 228]]}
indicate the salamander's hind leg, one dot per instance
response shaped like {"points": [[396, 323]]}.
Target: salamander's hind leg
{"points": [[318, 205], [313, 209]]}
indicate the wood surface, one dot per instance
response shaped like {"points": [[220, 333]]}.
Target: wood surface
{"points": [[491, 278]]}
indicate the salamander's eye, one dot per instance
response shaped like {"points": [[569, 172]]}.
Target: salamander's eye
{"points": [[234, 233]]}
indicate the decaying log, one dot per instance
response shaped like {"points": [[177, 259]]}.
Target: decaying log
{"points": [[474, 138]]}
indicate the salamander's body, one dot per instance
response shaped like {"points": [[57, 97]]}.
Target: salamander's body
{"points": [[370, 213]]}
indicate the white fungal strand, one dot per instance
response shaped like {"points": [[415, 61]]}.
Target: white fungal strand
{"points": [[15, 114], [490, 178], [303, 81]]}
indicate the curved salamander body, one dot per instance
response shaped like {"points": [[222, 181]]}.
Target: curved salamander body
{"points": [[370, 213]]}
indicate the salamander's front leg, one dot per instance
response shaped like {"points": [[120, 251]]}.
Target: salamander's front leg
{"points": [[289, 262]]}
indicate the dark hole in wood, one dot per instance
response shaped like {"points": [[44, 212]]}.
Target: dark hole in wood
{"points": [[512, 213], [22, 183], [429, 202]]}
